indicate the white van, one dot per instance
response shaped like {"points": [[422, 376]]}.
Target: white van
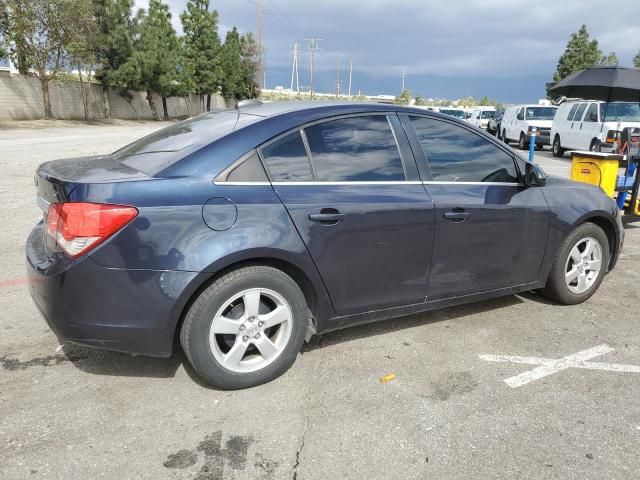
{"points": [[586, 125], [480, 116], [519, 120]]}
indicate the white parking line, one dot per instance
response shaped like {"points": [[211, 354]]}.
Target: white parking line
{"points": [[549, 366]]}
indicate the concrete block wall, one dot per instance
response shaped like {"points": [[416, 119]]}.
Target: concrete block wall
{"points": [[21, 99]]}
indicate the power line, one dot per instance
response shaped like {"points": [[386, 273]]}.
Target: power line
{"points": [[285, 16]]}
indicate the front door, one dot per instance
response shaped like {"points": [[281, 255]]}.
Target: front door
{"points": [[491, 230], [359, 207]]}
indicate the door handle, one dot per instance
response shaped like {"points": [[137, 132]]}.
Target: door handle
{"points": [[327, 216], [456, 215]]}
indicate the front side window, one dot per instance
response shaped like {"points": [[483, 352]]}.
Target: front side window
{"points": [[457, 155], [356, 149], [592, 113], [521, 114], [286, 159]]}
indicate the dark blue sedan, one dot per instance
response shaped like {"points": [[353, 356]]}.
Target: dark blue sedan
{"points": [[245, 232]]}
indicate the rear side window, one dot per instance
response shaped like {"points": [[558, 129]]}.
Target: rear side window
{"points": [[457, 155], [355, 149], [579, 112], [287, 160], [572, 112]]}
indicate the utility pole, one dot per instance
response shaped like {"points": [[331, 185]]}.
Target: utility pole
{"points": [[350, 74], [294, 68], [260, 56], [338, 82], [312, 46], [404, 73]]}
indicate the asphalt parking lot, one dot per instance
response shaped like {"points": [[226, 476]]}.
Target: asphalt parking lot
{"points": [[477, 393]]}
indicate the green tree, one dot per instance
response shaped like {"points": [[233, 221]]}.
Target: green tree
{"points": [[404, 98], [156, 56], [202, 48], [419, 101], [231, 60], [82, 50], [636, 60], [485, 101], [41, 30], [581, 52], [250, 54], [115, 43], [610, 59]]}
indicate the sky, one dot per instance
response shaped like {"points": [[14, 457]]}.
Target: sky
{"points": [[449, 48]]}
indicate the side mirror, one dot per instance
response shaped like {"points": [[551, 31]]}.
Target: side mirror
{"points": [[534, 176]]}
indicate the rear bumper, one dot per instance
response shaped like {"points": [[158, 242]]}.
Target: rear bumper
{"points": [[133, 311]]}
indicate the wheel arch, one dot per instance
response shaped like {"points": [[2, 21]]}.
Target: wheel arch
{"points": [[312, 287], [609, 228]]}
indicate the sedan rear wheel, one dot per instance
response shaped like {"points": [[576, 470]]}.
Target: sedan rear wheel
{"points": [[246, 328], [580, 266]]}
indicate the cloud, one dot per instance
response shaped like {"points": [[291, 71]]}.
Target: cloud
{"points": [[501, 38]]}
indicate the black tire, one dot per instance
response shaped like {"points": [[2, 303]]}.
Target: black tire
{"points": [[556, 148], [556, 288], [504, 136], [194, 335], [595, 145], [522, 142]]}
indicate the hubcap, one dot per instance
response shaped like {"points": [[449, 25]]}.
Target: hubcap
{"points": [[250, 330], [583, 265]]}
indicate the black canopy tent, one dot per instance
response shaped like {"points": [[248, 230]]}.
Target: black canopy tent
{"points": [[608, 83]]}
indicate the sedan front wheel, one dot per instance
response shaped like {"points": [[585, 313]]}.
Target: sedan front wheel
{"points": [[580, 266]]}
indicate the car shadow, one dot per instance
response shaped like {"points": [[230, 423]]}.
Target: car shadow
{"points": [[409, 321], [107, 363]]}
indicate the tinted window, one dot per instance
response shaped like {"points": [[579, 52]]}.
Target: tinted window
{"points": [[521, 114], [286, 159], [572, 112], [355, 149], [457, 155], [248, 171], [579, 112], [592, 113], [157, 151]]}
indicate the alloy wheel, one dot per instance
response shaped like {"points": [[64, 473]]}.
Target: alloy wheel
{"points": [[583, 265], [250, 330]]}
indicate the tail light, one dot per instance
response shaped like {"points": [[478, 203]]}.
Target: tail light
{"points": [[80, 227]]}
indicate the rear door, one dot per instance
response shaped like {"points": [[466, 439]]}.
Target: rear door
{"points": [[491, 230], [354, 195]]}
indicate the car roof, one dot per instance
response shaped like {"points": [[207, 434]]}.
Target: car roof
{"points": [[271, 109]]}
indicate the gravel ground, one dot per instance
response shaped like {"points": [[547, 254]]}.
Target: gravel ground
{"points": [[75, 413]]}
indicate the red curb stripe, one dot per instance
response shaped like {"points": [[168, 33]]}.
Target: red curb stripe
{"points": [[12, 282]]}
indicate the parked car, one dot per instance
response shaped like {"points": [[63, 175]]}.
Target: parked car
{"points": [[493, 126], [480, 116], [245, 232], [588, 125], [454, 112], [518, 122]]}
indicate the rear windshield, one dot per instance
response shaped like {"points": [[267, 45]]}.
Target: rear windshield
{"points": [[156, 152], [541, 113], [623, 111], [487, 114]]}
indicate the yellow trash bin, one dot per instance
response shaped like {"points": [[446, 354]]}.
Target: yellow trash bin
{"points": [[597, 169]]}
